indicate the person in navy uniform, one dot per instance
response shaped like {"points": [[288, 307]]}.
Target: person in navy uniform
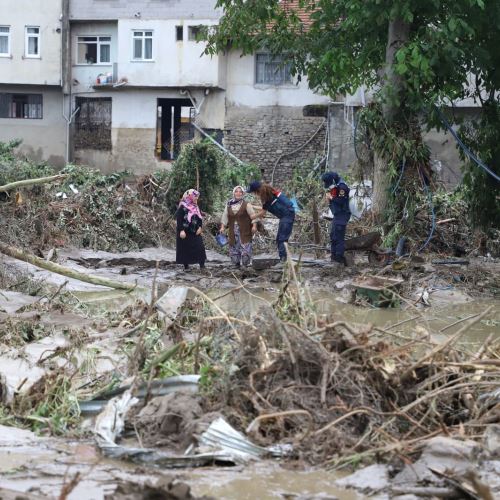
{"points": [[277, 203], [338, 197]]}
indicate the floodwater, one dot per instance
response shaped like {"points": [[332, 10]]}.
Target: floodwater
{"points": [[39, 465], [446, 308]]}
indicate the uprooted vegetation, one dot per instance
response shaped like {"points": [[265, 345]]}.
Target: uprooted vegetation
{"points": [[340, 393], [114, 212], [88, 209]]}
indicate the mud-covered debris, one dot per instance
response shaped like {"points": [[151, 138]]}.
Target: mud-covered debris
{"points": [[110, 423], [167, 420], [369, 480], [220, 436]]}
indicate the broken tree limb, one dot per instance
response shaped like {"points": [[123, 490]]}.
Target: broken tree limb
{"points": [[16, 253], [31, 182]]}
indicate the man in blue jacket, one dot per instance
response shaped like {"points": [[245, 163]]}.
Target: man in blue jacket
{"points": [[277, 203], [338, 196]]}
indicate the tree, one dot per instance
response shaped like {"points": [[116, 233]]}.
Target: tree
{"points": [[414, 53]]}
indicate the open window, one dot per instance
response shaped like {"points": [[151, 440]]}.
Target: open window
{"points": [[93, 50]]}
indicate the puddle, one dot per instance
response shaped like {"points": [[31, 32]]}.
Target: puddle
{"points": [[266, 481]]}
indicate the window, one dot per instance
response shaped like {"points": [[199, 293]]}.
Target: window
{"points": [[32, 41], [142, 45], [194, 32], [4, 41], [272, 70], [93, 123], [21, 106], [179, 33], [93, 50]]}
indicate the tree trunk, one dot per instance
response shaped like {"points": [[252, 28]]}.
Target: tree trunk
{"points": [[31, 182], [381, 185], [392, 93], [64, 271]]}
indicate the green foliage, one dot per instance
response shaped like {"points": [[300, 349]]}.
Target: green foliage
{"points": [[85, 177], [204, 167], [439, 43], [7, 149], [13, 168], [480, 189]]}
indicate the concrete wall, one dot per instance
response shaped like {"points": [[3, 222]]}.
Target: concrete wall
{"points": [[148, 9], [44, 139], [84, 76], [265, 123], [18, 69], [174, 64]]}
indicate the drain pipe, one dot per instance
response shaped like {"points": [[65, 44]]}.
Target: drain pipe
{"points": [[201, 131], [188, 93], [68, 123]]}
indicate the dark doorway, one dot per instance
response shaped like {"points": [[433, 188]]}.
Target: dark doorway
{"points": [[174, 126]]}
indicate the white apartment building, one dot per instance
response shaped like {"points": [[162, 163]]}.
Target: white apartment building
{"points": [[142, 87], [31, 38]]}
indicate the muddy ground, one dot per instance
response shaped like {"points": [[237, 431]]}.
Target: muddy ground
{"points": [[351, 384]]}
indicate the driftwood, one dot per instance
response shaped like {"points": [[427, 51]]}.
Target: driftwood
{"points": [[31, 182], [64, 271]]}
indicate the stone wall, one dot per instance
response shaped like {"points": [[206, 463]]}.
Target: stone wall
{"points": [[270, 136]]}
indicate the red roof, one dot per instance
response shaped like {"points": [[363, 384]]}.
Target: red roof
{"points": [[302, 12]]}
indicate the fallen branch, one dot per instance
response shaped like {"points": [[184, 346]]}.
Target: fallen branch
{"points": [[16, 253], [31, 182]]}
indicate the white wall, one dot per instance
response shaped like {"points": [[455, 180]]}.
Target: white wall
{"points": [[136, 108], [175, 64], [45, 70], [43, 139], [242, 90]]}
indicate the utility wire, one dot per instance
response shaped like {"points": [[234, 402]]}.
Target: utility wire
{"points": [[465, 149]]}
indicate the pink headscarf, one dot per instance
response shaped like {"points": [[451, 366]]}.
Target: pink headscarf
{"points": [[189, 204]]}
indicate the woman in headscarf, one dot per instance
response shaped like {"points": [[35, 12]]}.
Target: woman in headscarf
{"points": [[190, 248], [237, 217]]}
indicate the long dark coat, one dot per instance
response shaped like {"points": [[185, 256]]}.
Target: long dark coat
{"points": [[190, 250]]}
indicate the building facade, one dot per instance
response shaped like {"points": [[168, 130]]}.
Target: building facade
{"points": [[31, 78], [123, 84]]}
